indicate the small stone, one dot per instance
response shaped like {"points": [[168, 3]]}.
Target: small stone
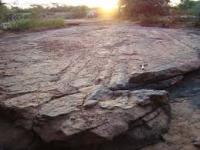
{"points": [[196, 142], [90, 103]]}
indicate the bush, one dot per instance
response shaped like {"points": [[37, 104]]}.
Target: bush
{"points": [[35, 24], [20, 25]]}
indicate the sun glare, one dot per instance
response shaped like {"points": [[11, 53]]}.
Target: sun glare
{"points": [[108, 5]]}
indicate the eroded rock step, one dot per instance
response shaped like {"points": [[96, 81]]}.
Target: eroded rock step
{"points": [[156, 79]]}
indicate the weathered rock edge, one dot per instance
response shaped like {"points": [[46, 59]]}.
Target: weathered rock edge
{"points": [[158, 78], [108, 118]]}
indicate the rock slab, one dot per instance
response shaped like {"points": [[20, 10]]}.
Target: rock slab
{"points": [[98, 86]]}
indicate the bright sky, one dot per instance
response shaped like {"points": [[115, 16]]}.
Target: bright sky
{"points": [[91, 3]]}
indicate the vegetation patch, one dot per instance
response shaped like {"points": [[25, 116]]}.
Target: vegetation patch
{"points": [[37, 17], [35, 24]]}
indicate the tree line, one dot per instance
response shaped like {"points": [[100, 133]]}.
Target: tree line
{"points": [[132, 8], [146, 10], [160, 12]]}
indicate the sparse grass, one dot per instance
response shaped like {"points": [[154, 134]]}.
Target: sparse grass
{"points": [[155, 21], [169, 22], [1, 32], [35, 24], [197, 24]]}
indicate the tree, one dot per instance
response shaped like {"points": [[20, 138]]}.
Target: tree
{"points": [[37, 11], [190, 7], [144, 7], [1, 3], [186, 4], [3, 11]]}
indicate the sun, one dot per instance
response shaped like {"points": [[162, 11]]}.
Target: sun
{"points": [[108, 5]]}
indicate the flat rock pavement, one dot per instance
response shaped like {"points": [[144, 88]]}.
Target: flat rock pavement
{"points": [[90, 84]]}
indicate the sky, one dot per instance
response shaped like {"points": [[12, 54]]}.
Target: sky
{"points": [[91, 3]]}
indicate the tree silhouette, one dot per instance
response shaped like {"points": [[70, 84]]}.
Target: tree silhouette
{"points": [[144, 7]]}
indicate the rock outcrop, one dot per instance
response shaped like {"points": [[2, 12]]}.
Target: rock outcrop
{"points": [[91, 87]]}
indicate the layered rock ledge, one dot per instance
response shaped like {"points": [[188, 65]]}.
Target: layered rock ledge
{"points": [[91, 87]]}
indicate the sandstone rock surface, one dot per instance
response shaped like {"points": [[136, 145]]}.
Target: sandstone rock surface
{"points": [[91, 86]]}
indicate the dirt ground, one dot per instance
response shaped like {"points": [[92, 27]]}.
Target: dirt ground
{"points": [[184, 129]]}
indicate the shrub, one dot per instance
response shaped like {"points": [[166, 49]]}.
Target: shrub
{"points": [[20, 25]]}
